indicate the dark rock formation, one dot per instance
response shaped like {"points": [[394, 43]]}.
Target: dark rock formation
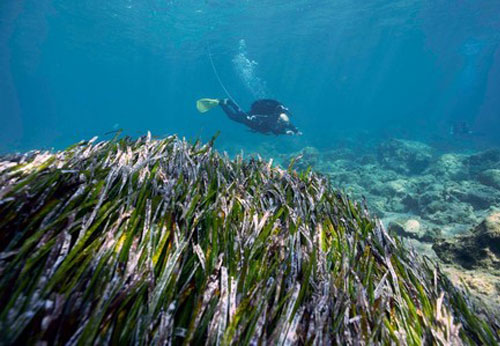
{"points": [[412, 229], [481, 249], [403, 156], [484, 160], [490, 177]]}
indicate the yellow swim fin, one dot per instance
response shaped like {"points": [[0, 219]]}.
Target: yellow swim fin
{"points": [[204, 105]]}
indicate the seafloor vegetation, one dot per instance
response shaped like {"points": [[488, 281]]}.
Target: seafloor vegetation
{"points": [[443, 198], [155, 241]]}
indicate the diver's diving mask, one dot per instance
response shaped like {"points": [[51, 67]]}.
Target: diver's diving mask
{"points": [[284, 118], [284, 113]]}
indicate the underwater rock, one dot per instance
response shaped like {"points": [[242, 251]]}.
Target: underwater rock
{"points": [[406, 157], [410, 201], [409, 228], [444, 195], [431, 234], [341, 177], [489, 159], [448, 202], [490, 177], [395, 205], [412, 228], [339, 154], [434, 199], [483, 286], [424, 182], [455, 219], [307, 157], [450, 166], [392, 188], [368, 159], [378, 206], [396, 228], [167, 242], [477, 195], [341, 165], [481, 249]]}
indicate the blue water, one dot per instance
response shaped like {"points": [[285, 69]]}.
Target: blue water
{"points": [[70, 70]]}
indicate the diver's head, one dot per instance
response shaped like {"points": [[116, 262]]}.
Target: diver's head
{"points": [[460, 128], [284, 113], [284, 118]]}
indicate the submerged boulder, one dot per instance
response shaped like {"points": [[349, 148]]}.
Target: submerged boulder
{"points": [[450, 166], [481, 249], [403, 156], [166, 242], [307, 157], [412, 228], [408, 228], [339, 154], [479, 196], [489, 159], [490, 177]]}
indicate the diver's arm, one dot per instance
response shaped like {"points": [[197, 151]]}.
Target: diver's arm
{"points": [[292, 130], [295, 130]]}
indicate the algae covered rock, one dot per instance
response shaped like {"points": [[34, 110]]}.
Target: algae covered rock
{"points": [[450, 166], [339, 154], [167, 242], [392, 188], [477, 195], [406, 157], [490, 177], [308, 157], [483, 285], [481, 249], [409, 228], [489, 159], [412, 228]]}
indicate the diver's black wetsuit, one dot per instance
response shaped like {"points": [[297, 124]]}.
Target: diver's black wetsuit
{"points": [[263, 117]]}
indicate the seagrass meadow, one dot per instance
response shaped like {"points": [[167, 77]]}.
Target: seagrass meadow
{"points": [[153, 241]]}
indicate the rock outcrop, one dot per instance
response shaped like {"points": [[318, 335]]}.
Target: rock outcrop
{"points": [[481, 249], [451, 192], [407, 157], [490, 177]]}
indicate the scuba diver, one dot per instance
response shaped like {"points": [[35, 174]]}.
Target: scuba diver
{"points": [[265, 116], [460, 128]]}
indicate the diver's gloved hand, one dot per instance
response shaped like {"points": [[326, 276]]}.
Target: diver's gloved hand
{"points": [[291, 133], [223, 101]]}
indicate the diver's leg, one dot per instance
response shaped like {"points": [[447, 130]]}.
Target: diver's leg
{"points": [[235, 113], [232, 110]]}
